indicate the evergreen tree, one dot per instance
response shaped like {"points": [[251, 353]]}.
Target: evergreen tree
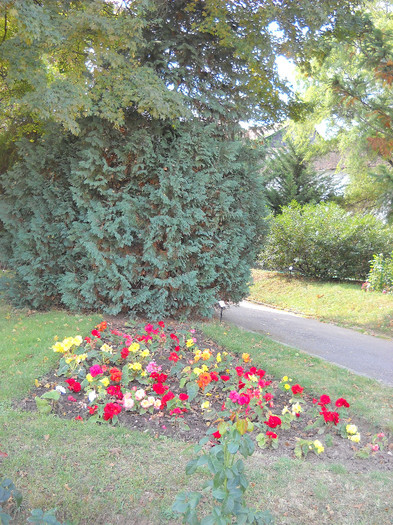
{"points": [[131, 189], [289, 176]]}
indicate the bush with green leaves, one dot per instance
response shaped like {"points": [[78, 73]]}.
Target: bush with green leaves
{"points": [[148, 218], [324, 241], [380, 277]]}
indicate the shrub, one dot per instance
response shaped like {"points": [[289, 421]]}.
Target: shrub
{"points": [[380, 277], [324, 241], [147, 218]]}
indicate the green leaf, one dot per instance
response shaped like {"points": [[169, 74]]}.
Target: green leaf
{"points": [[191, 467], [233, 447], [53, 394], [43, 406], [192, 391]]}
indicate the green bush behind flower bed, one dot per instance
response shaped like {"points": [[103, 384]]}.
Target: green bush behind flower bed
{"points": [[147, 218], [324, 241]]}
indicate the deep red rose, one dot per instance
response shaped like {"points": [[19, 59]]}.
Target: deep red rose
{"points": [[161, 378], [271, 435], [217, 435], [273, 422], [183, 397], [177, 348], [124, 352], [225, 378], [96, 333], [297, 389], [253, 370], [111, 410], [341, 402], [324, 400], [73, 385]]}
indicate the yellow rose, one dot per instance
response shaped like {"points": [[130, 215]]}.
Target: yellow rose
{"points": [[190, 343], [145, 353], [78, 340], [285, 378], [58, 347], [287, 387], [355, 438], [319, 447], [105, 381], [351, 429]]}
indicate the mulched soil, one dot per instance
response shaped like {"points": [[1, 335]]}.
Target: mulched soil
{"points": [[342, 451]]}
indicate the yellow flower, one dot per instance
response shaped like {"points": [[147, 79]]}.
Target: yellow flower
{"points": [[319, 447], [287, 387], [351, 429], [78, 340], [134, 347], [253, 378], [135, 366], [285, 378], [218, 357], [197, 371], [206, 355], [205, 405], [246, 357], [204, 368], [296, 408], [90, 378], [143, 374], [106, 348], [145, 353], [285, 410], [190, 343], [58, 347], [355, 438], [69, 360], [82, 357], [105, 381], [186, 370]]}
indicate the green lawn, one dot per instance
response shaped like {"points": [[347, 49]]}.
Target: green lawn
{"points": [[345, 304], [111, 475]]}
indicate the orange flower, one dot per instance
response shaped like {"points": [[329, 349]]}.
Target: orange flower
{"points": [[246, 358], [203, 380], [115, 375], [102, 326]]}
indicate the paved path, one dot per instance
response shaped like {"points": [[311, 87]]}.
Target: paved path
{"points": [[363, 354]]}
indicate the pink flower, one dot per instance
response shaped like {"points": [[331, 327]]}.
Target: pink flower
{"points": [[128, 402], [70, 398], [95, 370], [140, 394], [233, 396], [375, 447]]}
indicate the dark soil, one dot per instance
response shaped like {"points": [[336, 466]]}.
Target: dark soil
{"points": [[341, 451]]}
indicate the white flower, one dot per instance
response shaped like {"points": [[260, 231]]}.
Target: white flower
{"points": [[92, 395], [61, 389]]}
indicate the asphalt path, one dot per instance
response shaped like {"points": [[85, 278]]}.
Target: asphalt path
{"points": [[363, 354]]}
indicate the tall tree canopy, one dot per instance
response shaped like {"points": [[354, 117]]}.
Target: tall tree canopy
{"points": [[130, 189], [350, 87]]}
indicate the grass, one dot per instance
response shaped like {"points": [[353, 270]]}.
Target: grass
{"points": [[344, 304], [111, 475]]}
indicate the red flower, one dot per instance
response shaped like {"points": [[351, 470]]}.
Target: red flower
{"points": [[160, 378], [96, 333], [261, 373], [167, 397], [93, 409], [271, 435], [217, 435], [341, 402], [162, 324], [174, 357], [324, 400], [115, 390], [124, 352], [78, 418], [239, 371], [225, 378], [297, 389], [268, 396], [273, 422], [111, 410], [241, 385], [73, 385], [115, 375], [253, 370], [70, 398], [183, 397], [159, 388], [330, 416], [174, 337], [214, 376], [315, 401], [87, 339], [177, 348]]}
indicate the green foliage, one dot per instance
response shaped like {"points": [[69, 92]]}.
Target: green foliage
{"points": [[380, 277], [228, 483], [146, 218], [324, 241], [289, 176]]}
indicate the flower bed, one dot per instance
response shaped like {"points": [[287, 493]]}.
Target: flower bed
{"points": [[166, 380]]}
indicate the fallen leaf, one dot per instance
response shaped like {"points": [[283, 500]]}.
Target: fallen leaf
{"points": [[46, 437]]}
